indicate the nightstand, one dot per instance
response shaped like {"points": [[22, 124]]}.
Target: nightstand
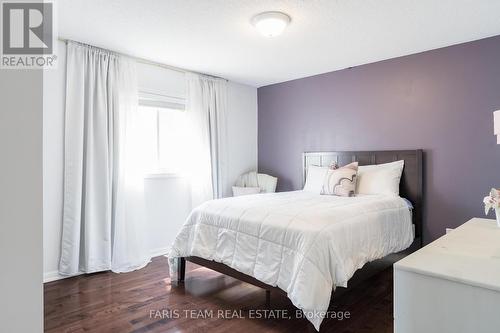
{"points": [[451, 285]]}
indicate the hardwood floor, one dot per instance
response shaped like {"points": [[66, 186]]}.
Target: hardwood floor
{"points": [[145, 301]]}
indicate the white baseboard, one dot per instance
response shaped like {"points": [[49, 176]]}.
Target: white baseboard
{"points": [[54, 275]]}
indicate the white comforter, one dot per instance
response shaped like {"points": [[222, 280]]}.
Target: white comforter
{"points": [[304, 243]]}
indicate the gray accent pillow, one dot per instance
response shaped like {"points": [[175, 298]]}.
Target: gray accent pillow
{"points": [[341, 181]]}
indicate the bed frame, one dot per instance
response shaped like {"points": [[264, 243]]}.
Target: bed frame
{"points": [[411, 188]]}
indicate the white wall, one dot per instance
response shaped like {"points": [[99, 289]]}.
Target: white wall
{"points": [[54, 82], [241, 132], [21, 295], [167, 198]]}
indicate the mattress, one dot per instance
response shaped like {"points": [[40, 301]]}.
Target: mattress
{"points": [[304, 243]]}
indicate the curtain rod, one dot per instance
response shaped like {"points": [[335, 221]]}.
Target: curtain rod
{"points": [[142, 60]]}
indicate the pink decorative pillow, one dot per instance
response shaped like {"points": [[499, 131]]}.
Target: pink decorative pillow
{"points": [[341, 181], [334, 166]]}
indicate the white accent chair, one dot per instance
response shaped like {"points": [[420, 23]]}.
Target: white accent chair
{"points": [[253, 183]]}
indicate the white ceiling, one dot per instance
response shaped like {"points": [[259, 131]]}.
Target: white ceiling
{"points": [[216, 37]]}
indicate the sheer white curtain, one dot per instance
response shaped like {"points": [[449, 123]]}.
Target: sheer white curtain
{"points": [[206, 109], [103, 218]]}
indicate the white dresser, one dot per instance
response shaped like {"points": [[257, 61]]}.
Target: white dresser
{"points": [[451, 285]]}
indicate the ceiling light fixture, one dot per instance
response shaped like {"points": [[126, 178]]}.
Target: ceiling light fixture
{"points": [[271, 24]]}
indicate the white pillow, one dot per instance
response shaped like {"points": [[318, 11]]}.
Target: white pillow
{"points": [[379, 178], [237, 190], [315, 178]]}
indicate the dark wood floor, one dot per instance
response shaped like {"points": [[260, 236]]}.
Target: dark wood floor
{"points": [[108, 302]]}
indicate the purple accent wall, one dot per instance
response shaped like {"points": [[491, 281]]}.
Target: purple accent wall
{"points": [[441, 101]]}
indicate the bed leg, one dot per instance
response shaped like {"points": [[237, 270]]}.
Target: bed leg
{"points": [[181, 269], [268, 298]]}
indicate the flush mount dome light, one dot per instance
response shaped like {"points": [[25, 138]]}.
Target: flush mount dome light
{"points": [[271, 24]]}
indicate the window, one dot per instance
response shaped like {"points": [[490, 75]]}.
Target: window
{"points": [[164, 134]]}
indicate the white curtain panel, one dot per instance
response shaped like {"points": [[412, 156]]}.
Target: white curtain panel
{"points": [[206, 108], [103, 218]]}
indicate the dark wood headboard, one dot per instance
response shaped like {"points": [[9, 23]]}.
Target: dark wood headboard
{"points": [[410, 187]]}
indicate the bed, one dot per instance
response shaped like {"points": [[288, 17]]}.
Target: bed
{"points": [[305, 243]]}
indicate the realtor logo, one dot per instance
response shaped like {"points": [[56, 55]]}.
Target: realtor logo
{"points": [[27, 35]]}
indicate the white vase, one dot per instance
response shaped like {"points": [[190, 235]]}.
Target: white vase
{"points": [[497, 212]]}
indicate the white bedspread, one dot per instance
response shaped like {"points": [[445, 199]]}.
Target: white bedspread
{"points": [[304, 243]]}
